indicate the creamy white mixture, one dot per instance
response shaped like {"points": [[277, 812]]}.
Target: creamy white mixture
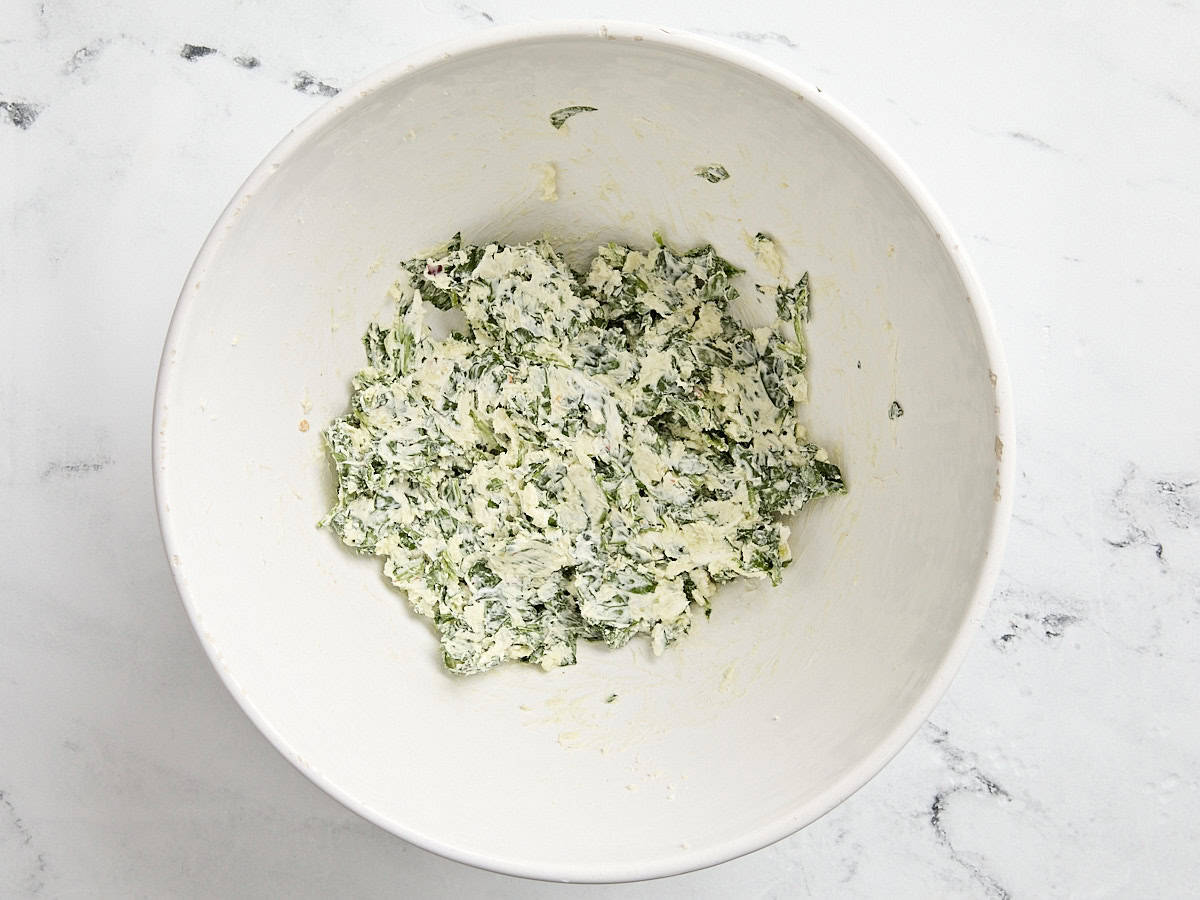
{"points": [[589, 458]]}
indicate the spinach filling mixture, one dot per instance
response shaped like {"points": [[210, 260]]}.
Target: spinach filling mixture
{"points": [[588, 457]]}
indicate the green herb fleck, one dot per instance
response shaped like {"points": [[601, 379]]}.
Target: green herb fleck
{"points": [[895, 411], [713, 173], [559, 117], [611, 698]]}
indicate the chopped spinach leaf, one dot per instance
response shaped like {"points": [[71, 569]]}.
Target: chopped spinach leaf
{"points": [[559, 117], [713, 173]]}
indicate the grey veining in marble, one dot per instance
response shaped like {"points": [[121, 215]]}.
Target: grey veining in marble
{"points": [[1062, 141]]}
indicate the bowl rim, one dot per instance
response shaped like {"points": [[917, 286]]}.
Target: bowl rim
{"points": [[834, 794]]}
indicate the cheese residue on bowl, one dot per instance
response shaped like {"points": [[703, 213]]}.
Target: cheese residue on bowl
{"points": [[589, 457]]}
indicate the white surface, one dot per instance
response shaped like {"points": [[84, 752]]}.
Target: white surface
{"points": [[697, 759], [1061, 144]]}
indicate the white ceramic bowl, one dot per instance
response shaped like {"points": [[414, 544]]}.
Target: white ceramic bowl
{"points": [[764, 717]]}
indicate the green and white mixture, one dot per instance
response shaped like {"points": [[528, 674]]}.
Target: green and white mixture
{"points": [[588, 458]]}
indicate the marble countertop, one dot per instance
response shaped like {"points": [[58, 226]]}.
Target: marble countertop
{"points": [[1063, 143]]}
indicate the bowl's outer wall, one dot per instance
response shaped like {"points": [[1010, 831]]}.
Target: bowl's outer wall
{"points": [[767, 714]]}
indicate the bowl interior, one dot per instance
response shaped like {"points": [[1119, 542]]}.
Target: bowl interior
{"points": [[766, 715]]}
